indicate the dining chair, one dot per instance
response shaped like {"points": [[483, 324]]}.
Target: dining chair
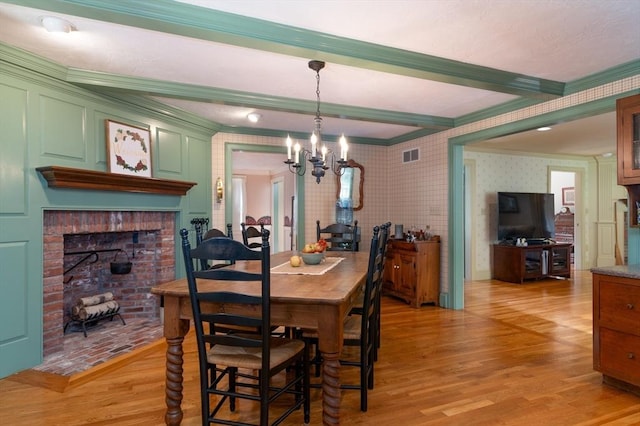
{"points": [[339, 236], [248, 361], [251, 235], [357, 308], [360, 329], [384, 236], [213, 232]]}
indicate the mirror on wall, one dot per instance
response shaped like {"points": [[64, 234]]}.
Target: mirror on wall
{"points": [[350, 184]]}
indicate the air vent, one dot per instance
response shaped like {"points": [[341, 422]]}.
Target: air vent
{"points": [[411, 155]]}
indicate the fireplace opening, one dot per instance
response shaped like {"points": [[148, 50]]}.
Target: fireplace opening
{"points": [[120, 264], [147, 241]]}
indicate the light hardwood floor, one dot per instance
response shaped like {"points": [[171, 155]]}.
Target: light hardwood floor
{"points": [[516, 355]]}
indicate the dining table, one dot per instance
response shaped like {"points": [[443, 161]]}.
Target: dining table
{"points": [[316, 297]]}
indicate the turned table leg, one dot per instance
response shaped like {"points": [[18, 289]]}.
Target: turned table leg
{"points": [[175, 328], [331, 388], [174, 380]]}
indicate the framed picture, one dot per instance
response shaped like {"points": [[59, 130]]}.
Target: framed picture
{"points": [[568, 196], [128, 149]]}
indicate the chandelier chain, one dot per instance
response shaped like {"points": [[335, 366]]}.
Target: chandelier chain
{"points": [[318, 94]]}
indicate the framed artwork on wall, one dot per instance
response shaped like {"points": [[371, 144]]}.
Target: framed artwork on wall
{"points": [[128, 149], [568, 196]]}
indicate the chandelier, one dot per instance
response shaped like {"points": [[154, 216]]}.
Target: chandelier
{"points": [[321, 158]]}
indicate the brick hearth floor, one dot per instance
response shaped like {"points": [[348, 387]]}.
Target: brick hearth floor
{"points": [[104, 341]]}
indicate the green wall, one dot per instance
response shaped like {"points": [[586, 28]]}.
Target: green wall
{"points": [[45, 121]]}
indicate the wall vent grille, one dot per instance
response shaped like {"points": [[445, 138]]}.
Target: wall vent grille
{"points": [[411, 155]]}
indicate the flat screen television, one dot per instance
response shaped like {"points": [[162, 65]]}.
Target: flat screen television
{"points": [[525, 215]]}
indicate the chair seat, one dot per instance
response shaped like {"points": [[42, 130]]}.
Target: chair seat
{"points": [[251, 357]]}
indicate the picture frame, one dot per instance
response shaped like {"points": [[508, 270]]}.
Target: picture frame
{"points": [[568, 196], [128, 149]]}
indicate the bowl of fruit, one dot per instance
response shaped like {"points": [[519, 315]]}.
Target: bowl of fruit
{"points": [[313, 253]]}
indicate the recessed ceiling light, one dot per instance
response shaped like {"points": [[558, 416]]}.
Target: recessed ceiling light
{"points": [[54, 24], [543, 129], [253, 117], [607, 154]]}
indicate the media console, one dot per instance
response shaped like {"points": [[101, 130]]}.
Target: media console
{"points": [[517, 264]]}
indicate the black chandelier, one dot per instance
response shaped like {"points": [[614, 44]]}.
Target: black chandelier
{"points": [[321, 159]]}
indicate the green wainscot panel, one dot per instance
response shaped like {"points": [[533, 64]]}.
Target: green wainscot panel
{"points": [[169, 149], [13, 110], [199, 171], [62, 128]]}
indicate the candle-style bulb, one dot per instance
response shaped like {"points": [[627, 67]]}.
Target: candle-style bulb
{"points": [[289, 147], [296, 148]]}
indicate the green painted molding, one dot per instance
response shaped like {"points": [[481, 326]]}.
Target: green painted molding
{"points": [[604, 77], [166, 112], [299, 135], [587, 109], [27, 60], [233, 97], [411, 136], [494, 111], [221, 27]]}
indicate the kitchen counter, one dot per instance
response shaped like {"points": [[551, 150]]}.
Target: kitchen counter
{"points": [[625, 271]]}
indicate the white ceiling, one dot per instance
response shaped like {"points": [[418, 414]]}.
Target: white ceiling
{"points": [[555, 40]]}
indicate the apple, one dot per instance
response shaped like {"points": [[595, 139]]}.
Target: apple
{"points": [[309, 248], [295, 261]]}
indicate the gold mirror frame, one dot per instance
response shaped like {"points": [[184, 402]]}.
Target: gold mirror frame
{"points": [[351, 163]]}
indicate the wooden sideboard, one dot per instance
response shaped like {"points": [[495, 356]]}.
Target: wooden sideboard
{"points": [[517, 264], [412, 271], [616, 330]]}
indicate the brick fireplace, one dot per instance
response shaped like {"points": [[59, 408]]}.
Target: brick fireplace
{"points": [[147, 238]]}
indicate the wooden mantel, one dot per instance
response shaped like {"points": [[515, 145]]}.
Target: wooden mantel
{"points": [[67, 177]]}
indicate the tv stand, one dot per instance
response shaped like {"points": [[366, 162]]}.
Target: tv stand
{"points": [[517, 264]]}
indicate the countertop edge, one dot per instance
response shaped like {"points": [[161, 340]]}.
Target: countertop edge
{"points": [[626, 271]]}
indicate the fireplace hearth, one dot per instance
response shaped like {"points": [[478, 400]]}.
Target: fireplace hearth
{"points": [[147, 238]]}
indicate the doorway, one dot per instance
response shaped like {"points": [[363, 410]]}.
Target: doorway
{"points": [[565, 183], [268, 187]]}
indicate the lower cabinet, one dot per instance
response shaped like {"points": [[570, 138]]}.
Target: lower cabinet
{"points": [[616, 330], [412, 271], [517, 264]]}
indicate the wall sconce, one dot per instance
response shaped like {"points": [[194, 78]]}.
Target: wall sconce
{"points": [[219, 190]]}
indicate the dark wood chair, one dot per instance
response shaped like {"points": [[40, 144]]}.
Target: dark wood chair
{"points": [[251, 235], [222, 355], [340, 237], [213, 232], [360, 329]]}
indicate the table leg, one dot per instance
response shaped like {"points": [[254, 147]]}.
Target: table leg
{"points": [[330, 332], [175, 329], [331, 388], [174, 380]]}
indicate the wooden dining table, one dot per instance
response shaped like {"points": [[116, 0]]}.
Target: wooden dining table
{"points": [[318, 301]]}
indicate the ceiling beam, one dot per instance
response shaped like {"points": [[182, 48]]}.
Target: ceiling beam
{"points": [[221, 27], [215, 95]]}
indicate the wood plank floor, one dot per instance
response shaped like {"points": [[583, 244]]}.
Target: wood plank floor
{"points": [[516, 355]]}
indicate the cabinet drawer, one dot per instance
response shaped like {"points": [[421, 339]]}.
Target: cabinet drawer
{"points": [[620, 355], [620, 307]]}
